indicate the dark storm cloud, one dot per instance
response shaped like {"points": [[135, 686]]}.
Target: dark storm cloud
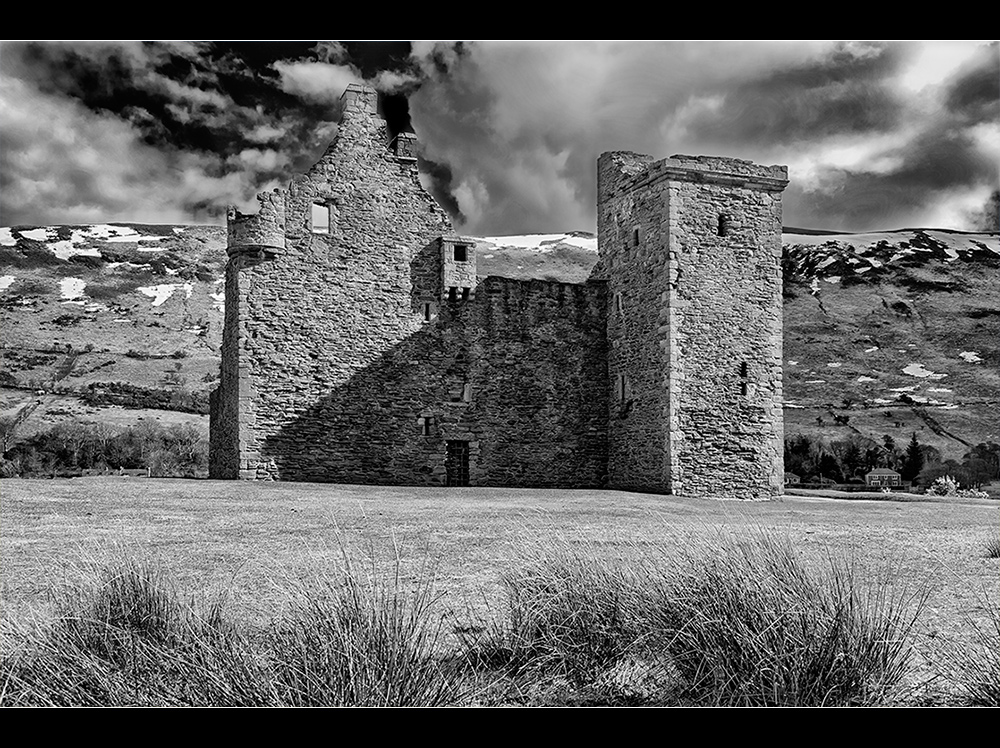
{"points": [[850, 89], [974, 92], [521, 125], [441, 180], [928, 168]]}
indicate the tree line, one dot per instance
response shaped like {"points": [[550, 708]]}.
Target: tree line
{"points": [[848, 460], [71, 448]]}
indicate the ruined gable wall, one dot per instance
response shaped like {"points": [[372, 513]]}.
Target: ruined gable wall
{"points": [[317, 315]]}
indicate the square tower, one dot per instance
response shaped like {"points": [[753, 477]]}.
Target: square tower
{"points": [[691, 251]]}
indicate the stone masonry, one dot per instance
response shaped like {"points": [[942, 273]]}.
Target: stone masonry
{"points": [[361, 346]]}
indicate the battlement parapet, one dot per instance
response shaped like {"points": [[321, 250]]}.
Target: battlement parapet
{"points": [[623, 170]]}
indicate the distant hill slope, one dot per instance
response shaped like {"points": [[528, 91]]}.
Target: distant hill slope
{"points": [[887, 333]]}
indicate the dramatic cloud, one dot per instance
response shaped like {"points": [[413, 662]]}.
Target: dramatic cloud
{"points": [[875, 134], [521, 125]]}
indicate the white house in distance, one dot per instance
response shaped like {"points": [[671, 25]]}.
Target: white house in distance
{"points": [[882, 477]]}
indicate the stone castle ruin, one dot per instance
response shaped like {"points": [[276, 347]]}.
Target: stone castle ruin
{"points": [[362, 346]]}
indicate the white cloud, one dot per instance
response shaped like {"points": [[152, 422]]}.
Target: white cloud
{"points": [[316, 81], [87, 167]]}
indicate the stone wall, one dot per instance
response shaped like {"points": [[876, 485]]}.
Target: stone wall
{"points": [[540, 383]]}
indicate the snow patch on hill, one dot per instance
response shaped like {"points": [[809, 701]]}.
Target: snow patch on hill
{"points": [[971, 356], [164, 291], [5, 281], [541, 242], [7, 238], [71, 289], [80, 238], [919, 370]]}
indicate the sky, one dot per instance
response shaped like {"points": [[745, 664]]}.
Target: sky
{"points": [[876, 134]]}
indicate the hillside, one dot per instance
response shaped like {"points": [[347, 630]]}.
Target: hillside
{"points": [[885, 333]]}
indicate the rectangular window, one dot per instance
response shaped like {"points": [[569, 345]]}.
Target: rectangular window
{"points": [[465, 293], [430, 311], [426, 425], [635, 237], [461, 253], [320, 218], [453, 293]]}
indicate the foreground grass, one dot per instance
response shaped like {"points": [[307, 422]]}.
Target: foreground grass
{"points": [[744, 624], [126, 636], [278, 552]]}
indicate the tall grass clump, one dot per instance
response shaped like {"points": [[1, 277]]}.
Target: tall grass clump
{"points": [[973, 670], [993, 547], [356, 641], [127, 636], [107, 643], [750, 624], [573, 628]]}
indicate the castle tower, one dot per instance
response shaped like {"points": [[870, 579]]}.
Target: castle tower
{"points": [[691, 250]]}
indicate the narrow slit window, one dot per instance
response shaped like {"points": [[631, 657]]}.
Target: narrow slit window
{"points": [[635, 237], [320, 218], [430, 311], [465, 293], [426, 425], [453, 293], [467, 393], [461, 253], [723, 225], [618, 304], [744, 379]]}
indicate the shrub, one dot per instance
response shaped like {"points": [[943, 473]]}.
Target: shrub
{"points": [[749, 625], [943, 486]]}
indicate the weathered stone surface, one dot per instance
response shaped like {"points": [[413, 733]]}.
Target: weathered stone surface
{"points": [[370, 351], [691, 250]]}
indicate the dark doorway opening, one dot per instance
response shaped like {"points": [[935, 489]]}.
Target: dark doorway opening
{"points": [[456, 464]]}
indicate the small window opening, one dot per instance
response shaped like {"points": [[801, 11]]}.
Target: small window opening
{"points": [[320, 218], [465, 293], [430, 311], [461, 253], [744, 377], [744, 387], [426, 425], [635, 237], [467, 393], [453, 293], [618, 304], [744, 369], [723, 225], [621, 388]]}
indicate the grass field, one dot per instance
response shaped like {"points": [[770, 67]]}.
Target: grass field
{"points": [[256, 540]]}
